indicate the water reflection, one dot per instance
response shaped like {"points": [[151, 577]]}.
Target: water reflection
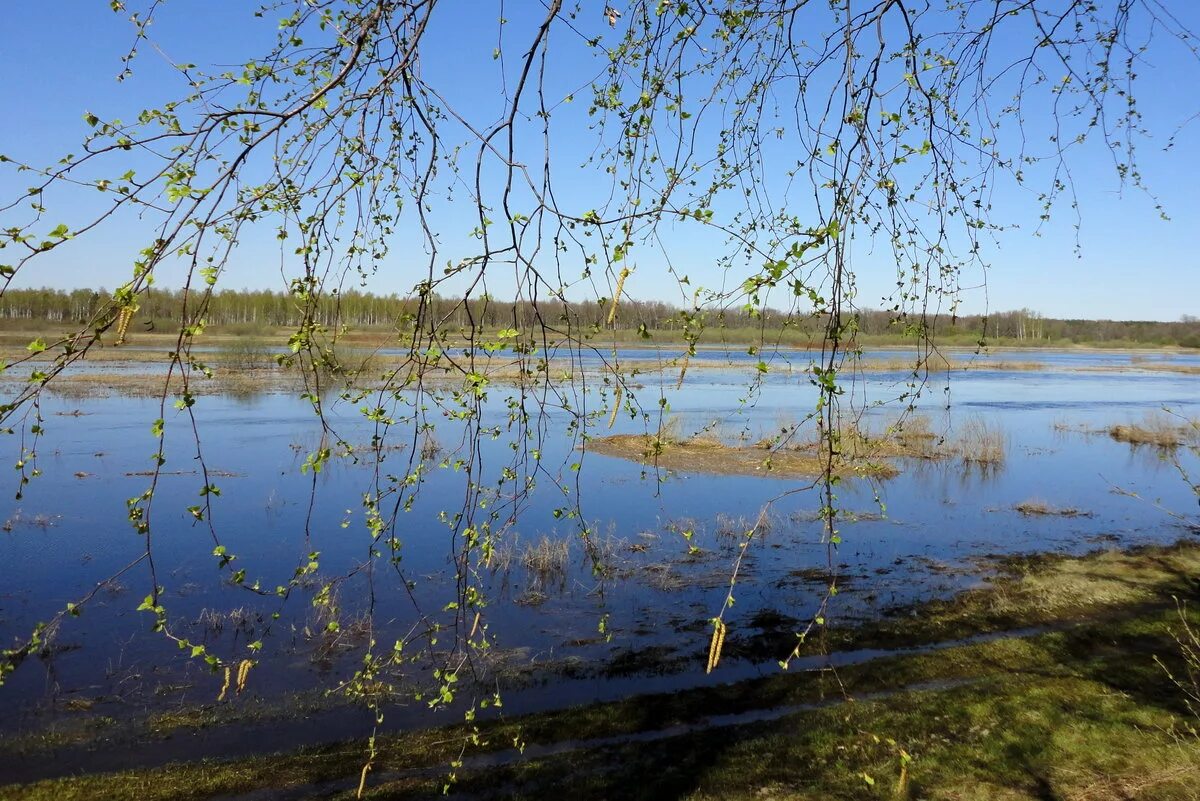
{"points": [[634, 601]]}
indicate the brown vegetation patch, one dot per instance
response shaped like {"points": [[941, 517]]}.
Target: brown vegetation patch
{"points": [[140, 384], [937, 362], [1136, 366], [856, 450], [1158, 431], [914, 438], [709, 455]]}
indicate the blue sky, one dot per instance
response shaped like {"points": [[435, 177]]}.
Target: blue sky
{"points": [[59, 60]]}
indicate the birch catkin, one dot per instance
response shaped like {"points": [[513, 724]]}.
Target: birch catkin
{"points": [[243, 674], [612, 312], [362, 780], [612, 418], [687, 357], [123, 318], [225, 686], [714, 647]]}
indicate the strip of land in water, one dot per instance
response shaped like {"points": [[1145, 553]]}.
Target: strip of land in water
{"points": [[237, 367], [854, 451], [18, 333]]}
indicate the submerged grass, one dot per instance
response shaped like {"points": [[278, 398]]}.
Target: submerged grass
{"points": [[1022, 592], [1079, 712], [1046, 589]]}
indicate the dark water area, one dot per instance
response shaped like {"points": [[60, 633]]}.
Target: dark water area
{"points": [[913, 537]]}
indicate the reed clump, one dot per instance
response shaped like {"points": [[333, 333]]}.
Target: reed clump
{"points": [[980, 443], [214, 621], [431, 446], [912, 438], [1158, 431], [547, 560], [662, 576], [976, 442], [602, 550], [734, 529], [245, 353]]}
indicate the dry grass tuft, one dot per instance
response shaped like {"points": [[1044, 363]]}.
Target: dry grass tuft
{"points": [[663, 577], [911, 437], [914, 438], [1186, 677], [1036, 507], [214, 621], [547, 560], [1157, 430], [981, 444], [734, 529], [431, 448]]}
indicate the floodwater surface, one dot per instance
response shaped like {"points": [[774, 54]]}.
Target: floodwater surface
{"points": [[561, 631]]}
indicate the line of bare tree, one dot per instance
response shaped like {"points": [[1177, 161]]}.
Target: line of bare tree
{"points": [[252, 309]]}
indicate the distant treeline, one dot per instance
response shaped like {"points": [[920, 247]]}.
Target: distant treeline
{"points": [[249, 310]]}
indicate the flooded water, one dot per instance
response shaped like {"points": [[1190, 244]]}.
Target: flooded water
{"points": [[908, 538]]}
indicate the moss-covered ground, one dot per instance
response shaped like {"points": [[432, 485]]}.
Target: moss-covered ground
{"points": [[1085, 709]]}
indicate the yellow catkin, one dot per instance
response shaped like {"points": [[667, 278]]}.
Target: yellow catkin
{"points": [[902, 783], [474, 626], [225, 686], [612, 312], [243, 674], [714, 647], [687, 357], [612, 418], [123, 318], [362, 779]]}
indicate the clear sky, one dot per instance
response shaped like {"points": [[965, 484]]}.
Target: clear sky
{"points": [[58, 60]]}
